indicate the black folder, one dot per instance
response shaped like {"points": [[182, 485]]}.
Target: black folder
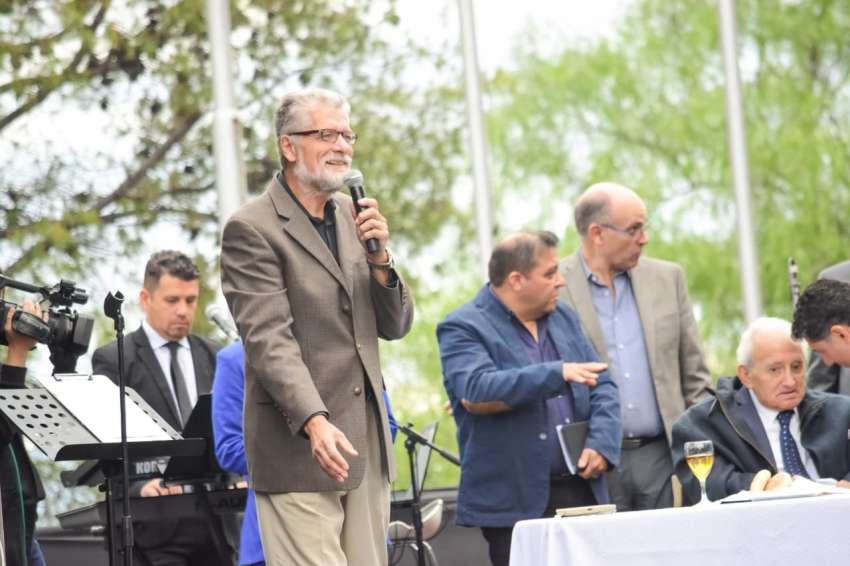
{"points": [[572, 437]]}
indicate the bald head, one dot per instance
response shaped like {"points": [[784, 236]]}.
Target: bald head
{"points": [[597, 203], [611, 220]]}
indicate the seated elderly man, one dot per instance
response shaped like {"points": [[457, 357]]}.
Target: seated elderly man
{"points": [[766, 418]]}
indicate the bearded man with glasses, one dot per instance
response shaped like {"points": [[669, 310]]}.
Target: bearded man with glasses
{"points": [[310, 303], [636, 312]]}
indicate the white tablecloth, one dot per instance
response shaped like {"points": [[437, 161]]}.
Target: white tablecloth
{"points": [[799, 532]]}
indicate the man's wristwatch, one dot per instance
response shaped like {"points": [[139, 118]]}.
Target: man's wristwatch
{"points": [[388, 265]]}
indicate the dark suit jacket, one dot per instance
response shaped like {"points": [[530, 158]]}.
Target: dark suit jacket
{"points": [[505, 456], [19, 480], [143, 373], [834, 378], [741, 447], [310, 328]]}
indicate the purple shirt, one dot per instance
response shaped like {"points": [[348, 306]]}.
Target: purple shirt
{"points": [[560, 409]]}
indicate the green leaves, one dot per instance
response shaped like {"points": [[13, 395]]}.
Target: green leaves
{"points": [[648, 110], [144, 67]]}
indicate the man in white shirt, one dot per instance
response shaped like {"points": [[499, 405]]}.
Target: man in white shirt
{"points": [[766, 418], [169, 367]]}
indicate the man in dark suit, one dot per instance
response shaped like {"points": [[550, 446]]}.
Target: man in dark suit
{"points": [[833, 377], [169, 368], [515, 366], [766, 419], [311, 301]]}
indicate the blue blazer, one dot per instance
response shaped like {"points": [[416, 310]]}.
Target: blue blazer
{"points": [[505, 456], [227, 397]]}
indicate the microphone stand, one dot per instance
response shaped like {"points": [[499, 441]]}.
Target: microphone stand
{"points": [[414, 438], [793, 281], [112, 309]]}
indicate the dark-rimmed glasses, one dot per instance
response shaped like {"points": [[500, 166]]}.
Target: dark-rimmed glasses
{"points": [[631, 231], [328, 135]]}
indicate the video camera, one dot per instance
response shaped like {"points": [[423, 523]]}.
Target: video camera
{"points": [[66, 333]]}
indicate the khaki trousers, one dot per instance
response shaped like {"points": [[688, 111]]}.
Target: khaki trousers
{"points": [[333, 528]]}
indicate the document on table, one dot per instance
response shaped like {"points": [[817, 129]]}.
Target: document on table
{"points": [[801, 487]]}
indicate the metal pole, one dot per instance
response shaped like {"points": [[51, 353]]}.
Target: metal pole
{"points": [[750, 283], [229, 171], [230, 182], [476, 134]]}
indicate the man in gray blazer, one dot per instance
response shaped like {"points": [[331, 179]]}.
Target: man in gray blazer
{"points": [[310, 303], [169, 367], [637, 314], [833, 378]]}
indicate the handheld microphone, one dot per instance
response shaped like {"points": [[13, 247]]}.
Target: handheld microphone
{"points": [[215, 314], [354, 181]]}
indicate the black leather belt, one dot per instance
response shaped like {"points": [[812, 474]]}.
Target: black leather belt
{"points": [[639, 441]]}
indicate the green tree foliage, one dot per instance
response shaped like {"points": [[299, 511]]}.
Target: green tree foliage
{"points": [[137, 73], [140, 71], [647, 109]]}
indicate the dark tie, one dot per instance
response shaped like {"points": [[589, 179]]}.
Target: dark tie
{"points": [[179, 382], [790, 455]]}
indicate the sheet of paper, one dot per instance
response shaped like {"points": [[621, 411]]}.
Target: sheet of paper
{"points": [[93, 399], [800, 487]]}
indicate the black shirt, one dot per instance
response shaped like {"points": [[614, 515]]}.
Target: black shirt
{"points": [[326, 227]]}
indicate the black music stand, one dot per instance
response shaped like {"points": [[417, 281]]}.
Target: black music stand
{"points": [[62, 435], [414, 438], [197, 468]]}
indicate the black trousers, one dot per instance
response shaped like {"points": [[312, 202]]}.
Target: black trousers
{"points": [[186, 542], [570, 491]]}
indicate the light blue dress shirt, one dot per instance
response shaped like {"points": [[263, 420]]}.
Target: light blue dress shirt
{"points": [[627, 355]]}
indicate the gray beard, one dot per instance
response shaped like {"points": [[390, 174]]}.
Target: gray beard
{"points": [[323, 182]]}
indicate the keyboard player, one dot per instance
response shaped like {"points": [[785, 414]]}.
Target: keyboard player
{"points": [[169, 367]]}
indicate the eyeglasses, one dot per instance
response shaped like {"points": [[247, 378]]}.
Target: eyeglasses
{"points": [[631, 231], [328, 135]]}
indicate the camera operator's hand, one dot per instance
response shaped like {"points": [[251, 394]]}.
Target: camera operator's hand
{"points": [[19, 344]]}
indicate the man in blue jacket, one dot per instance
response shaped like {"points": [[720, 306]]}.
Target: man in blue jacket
{"points": [[516, 364], [228, 396]]}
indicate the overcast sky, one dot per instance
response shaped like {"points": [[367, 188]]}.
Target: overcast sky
{"points": [[500, 23]]}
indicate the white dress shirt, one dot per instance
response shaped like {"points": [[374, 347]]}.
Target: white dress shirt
{"points": [[184, 358], [770, 422]]}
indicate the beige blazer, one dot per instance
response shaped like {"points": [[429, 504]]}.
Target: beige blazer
{"points": [[310, 329], [669, 330]]}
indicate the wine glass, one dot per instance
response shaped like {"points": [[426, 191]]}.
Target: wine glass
{"points": [[699, 455]]}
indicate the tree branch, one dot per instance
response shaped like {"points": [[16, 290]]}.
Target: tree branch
{"points": [[176, 134], [44, 92]]}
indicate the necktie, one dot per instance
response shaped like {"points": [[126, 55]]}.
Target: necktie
{"points": [[183, 403], [790, 455]]}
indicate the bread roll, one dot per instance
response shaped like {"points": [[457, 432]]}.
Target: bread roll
{"points": [[779, 481], [760, 480]]}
